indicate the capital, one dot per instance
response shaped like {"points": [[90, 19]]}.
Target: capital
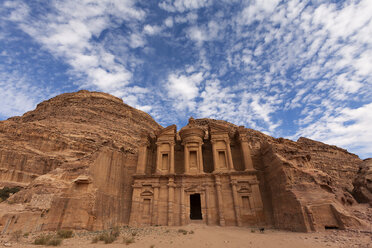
{"points": [[243, 138]]}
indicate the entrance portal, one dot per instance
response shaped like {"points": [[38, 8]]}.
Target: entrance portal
{"points": [[195, 207]]}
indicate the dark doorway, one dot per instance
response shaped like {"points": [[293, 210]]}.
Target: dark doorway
{"points": [[195, 207]]}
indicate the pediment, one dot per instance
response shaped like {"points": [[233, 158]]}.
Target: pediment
{"points": [[146, 193], [168, 131], [218, 129], [244, 187], [194, 188]]}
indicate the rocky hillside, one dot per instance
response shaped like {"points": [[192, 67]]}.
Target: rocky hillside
{"points": [[363, 183], [307, 182], [73, 157]]}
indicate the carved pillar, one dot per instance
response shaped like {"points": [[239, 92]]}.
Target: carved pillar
{"points": [[155, 206], [229, 156], [171, 167], [236, 204], [158, 158], [186, 152], [246, 151], [220, 202], [256, 196], [200, 155], [204, 208], [171, 187], [192, 138], [215, 156], [208, 204], [136, 205], [163, 205], [142, 159], [183, 209]]}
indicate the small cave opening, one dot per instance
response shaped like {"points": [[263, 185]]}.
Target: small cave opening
{"points": [[331, 227]]}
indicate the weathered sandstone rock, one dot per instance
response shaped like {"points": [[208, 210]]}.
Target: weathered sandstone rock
{"points": [[76, 154], [363, 183]]}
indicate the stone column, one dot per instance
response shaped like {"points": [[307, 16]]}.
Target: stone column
{"points": [[215, 156], [136, 205], [236, 204], [155, 206], [200, 157], [171, 165], [158, 158], [246, 152], [229, 156], [220, 202], [256, 196], [208, 204], [142, 159], [183, 208], [171, 187], [186, 152], [204, 209], [163, 206]]}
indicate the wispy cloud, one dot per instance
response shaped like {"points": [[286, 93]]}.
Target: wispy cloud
{"points": [[287, 68], [18, 95], [69, 32], [184, 89], [183, 5]]}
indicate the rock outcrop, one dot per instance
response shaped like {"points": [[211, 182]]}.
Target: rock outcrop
{"points": [[305, 185], [74, 157], [363, 183]]}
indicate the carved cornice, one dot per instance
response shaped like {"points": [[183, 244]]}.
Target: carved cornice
{"points": [[169, 142], [171, 184], [218, 129], [146, 193], [170, 130], [192, 132], [243, 138], [137, 185], [243, 134], [194, 188]]}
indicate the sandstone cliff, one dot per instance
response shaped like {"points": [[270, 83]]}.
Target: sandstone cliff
{"points": [[75, 154], [307, 185], [363, 183]]}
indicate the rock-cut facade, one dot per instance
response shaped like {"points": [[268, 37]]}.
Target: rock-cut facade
{"points": [[86, 160], [196, 175]]}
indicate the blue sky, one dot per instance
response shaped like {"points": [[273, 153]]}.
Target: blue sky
{"points": [[286, 68]]}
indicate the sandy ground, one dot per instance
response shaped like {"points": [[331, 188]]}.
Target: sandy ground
{"points": [[209, 236]]}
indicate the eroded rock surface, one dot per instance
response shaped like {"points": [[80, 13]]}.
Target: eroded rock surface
{"points": [[363, 183], [75, 156]]}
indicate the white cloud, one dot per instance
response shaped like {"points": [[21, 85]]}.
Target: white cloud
{"points": [[217, 102], [136, 40], [67, 32], [308, 63], [18, 95], [184, 89], [183, 5], [205, 33], [350, 128], [257, 11], [19, 10], [190, 17], [197, 34], [169, 22], [152, 30]]}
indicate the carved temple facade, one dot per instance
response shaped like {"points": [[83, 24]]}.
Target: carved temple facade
{"points": [[196, 175]]}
